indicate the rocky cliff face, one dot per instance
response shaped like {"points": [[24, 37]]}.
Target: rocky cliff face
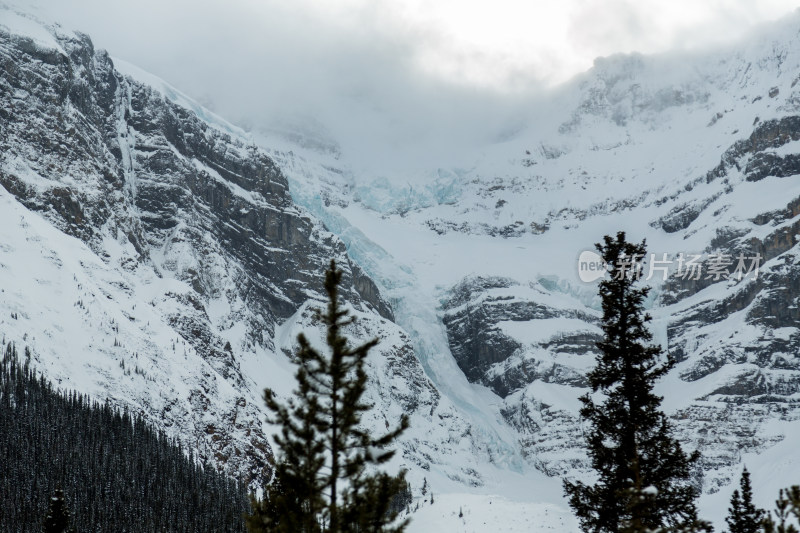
{"points": [[483, 317], [116, 153], [187, 266]]}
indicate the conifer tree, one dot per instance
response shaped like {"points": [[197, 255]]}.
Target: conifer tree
{"points": [[643, 473], [743, 515], [322, 482], [58, 519], [51, 438], [786, 506]]}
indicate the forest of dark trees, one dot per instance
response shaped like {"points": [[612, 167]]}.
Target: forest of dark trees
{"points": [[116, 472]]}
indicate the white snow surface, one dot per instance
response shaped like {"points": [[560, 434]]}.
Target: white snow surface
{"points": [[22, 25], [96, 328]]}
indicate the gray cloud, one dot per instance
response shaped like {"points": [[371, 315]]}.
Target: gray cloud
{"points": [[363, 69], [257, 64], [605, 27]]}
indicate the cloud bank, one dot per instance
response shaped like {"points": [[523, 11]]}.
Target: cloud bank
{"points": [[395, 82]]}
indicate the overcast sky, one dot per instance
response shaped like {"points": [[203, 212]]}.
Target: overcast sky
{"points": [[395, 78]]}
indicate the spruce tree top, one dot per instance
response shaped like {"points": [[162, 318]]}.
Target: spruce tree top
{"points": [[743, 515], [325, 476], [643, 474], [58, 519], [624, 345]]}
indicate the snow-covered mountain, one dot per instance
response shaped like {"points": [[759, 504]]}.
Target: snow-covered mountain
{"points": [[160, 257], [698, 154], [152, 256]]}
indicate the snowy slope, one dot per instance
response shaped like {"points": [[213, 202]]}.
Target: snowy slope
{"points": [[98, 330]]}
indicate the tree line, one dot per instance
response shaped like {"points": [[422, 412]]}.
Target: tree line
{"points": [[109, 469]]}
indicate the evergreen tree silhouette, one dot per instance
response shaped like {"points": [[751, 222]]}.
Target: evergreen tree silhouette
{"points": [[743, 515], [322, 481], [58, 519], [786, 506], [643, 474]]}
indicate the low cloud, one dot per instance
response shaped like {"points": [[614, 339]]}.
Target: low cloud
{"points": [[395, 83]]}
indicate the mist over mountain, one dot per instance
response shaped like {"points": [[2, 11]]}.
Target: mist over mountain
{"points": [[398, 84], [142, 230]]}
